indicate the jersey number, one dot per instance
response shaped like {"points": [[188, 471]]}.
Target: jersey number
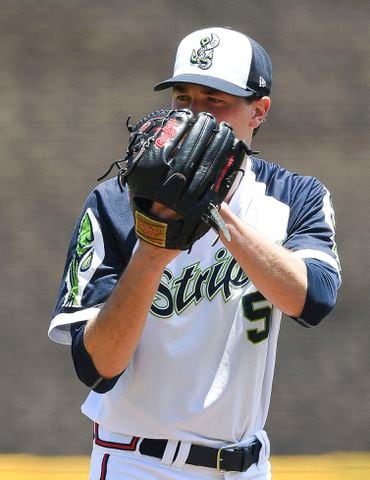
{"points": [[255, 310]]}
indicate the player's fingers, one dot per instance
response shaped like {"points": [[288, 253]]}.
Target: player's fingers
{"points": [[164, 212]]}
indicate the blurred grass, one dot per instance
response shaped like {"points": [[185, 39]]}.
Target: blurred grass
{"points": [[333, 466]]}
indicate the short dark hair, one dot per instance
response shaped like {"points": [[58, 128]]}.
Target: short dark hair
{"points": [[253, 98]]}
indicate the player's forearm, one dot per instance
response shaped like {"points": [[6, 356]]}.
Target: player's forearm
{"points": [[278, 274], [112, 337]]}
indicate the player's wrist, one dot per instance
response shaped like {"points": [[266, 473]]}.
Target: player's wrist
{"points": [[153, 256]]}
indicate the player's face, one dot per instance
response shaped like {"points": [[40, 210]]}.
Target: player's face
{"points": [[240, 114]]}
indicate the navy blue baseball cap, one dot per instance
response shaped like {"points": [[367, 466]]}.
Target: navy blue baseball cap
{"points": [[223, 59]]}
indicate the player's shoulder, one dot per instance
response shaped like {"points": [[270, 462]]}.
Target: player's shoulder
{"points": [[109, 205], [283, 184], [109, 190], [108, 197]]}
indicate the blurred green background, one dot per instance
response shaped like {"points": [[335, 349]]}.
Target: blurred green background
{"points": [[71, 73]]}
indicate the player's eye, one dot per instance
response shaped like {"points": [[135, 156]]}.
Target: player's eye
{"points": [[215, 101], [183, 99]]}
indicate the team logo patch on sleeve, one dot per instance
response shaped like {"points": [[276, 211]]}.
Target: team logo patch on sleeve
{"points": [[88, 255]]}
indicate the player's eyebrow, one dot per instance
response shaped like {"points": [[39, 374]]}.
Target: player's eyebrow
{"points": [[180, 87]]}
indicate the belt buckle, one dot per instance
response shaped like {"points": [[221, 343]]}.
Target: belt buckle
{"points": [[220, 459]]}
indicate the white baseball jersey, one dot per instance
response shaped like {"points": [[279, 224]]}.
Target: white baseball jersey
{"points": [[203, 369]]}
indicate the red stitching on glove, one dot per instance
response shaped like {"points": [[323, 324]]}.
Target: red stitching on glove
{"points": [[223, 173]]}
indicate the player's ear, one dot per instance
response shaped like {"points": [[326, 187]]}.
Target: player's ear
{"points": [[261, 106]]}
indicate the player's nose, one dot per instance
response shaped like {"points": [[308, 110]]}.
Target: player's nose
{"points": [[197, 106], [192, 105]]}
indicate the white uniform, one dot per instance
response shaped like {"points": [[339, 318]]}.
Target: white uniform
{"points": [[203, 370]]}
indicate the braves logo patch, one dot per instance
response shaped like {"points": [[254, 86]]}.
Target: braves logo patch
{"points": [[203, 57]]}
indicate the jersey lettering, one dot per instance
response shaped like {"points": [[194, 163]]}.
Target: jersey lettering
{"points": [[186, 294], [175, 295], [257, 309]]}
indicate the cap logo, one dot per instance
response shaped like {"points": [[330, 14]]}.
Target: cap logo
{"points": [[262, 82], [203, 57]]}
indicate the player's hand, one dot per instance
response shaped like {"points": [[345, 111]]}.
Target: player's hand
{"points": [[164, 212], [158, 255]]}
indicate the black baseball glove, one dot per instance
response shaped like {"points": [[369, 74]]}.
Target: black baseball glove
{"points": [[187, 163]]}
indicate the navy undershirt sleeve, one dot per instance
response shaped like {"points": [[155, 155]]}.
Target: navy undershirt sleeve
{"points": [[84, 365], [323, 283]]}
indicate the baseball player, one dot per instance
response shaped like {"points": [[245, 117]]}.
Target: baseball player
{"points": [[173, 307]]}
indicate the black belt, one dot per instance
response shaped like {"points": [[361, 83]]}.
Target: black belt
{"points": [[227, 459]]}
